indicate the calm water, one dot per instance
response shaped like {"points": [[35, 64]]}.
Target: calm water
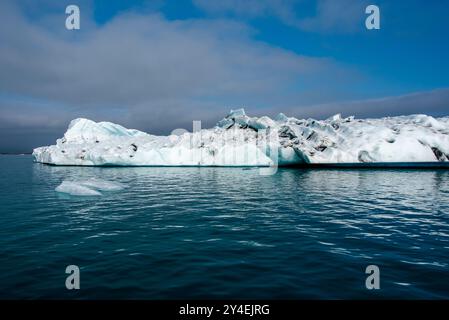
{"points": [[224, 233]]}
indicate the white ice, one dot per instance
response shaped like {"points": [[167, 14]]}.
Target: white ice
{"points": [[89, 187], [240, 140]]}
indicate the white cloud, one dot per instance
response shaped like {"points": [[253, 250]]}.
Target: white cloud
{"points": [[336, 16], [333, 16]]}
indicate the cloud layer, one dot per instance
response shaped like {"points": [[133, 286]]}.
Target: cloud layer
{"points": [[141, 70], [434, 102]]}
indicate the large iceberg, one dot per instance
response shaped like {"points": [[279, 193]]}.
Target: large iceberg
{"points": [[240, 140]]}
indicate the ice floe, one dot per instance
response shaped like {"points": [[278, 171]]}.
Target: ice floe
{"points": [[89, 187]]}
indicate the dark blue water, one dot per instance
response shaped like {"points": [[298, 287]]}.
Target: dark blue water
{"points": [[224, 233]]}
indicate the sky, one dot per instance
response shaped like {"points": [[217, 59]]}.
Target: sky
{"points": [[157, 65]]}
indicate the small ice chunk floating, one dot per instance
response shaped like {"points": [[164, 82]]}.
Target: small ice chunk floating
{"points": [[88, 187]]}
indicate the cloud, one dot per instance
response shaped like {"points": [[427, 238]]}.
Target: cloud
{"points": [[141, 70], [336, 16], [142, 58], [433, 102], [248, 8], [330, 16]]}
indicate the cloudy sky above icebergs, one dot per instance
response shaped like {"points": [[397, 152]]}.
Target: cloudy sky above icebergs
{"points": [[157, 65]]}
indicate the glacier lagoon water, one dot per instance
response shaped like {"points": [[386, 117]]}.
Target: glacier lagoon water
{"points": [[224, 233]]}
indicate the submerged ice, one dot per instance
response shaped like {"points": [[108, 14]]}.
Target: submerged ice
{"points": [[240, 140]]}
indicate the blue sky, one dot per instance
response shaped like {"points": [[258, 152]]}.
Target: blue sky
{"points": [[157, 65]]}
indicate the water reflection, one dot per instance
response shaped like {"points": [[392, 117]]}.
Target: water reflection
{"points": [[207, 225]]}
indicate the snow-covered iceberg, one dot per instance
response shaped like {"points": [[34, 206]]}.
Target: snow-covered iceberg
{"points": [[240, 140]]}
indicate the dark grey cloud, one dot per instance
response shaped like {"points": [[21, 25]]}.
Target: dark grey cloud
{"points": [[434, 103]]}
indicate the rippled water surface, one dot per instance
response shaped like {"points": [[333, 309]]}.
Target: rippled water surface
{"points": [[224, 233]]}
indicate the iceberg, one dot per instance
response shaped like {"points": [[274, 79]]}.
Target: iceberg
{"points": [[240, 140], [89, 187], [76, 189]]}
